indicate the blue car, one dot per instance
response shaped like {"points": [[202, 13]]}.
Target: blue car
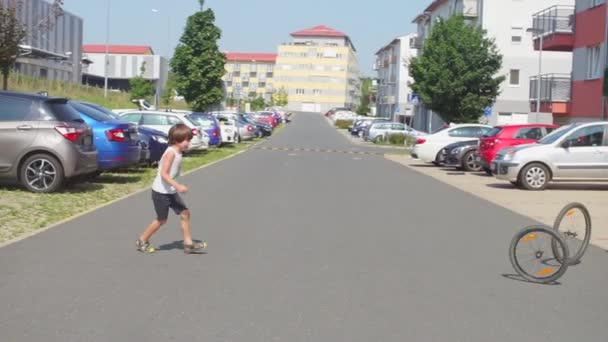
{"points": [[153, 142], [117, 141], [210, 125]]}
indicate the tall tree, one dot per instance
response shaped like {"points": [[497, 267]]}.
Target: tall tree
{"points": [[456, 74], [140, 88], [363, 108], [13, 31], [198, 63], [280, 98]]}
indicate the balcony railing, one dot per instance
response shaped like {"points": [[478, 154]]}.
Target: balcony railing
{"points": [[555, 19], [555, 90]]}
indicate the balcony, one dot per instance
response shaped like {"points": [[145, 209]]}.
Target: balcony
{"points": [[554, 93], [416, 42], [469, 8], [554, 28]]}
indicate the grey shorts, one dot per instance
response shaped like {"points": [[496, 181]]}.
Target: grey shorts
{"points": [[162, 203]]}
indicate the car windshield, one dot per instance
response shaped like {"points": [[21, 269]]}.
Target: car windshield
{"points": [[202, 120], [194, 122], [555, 135], [92, 112], [493, 132], [102, 109]]}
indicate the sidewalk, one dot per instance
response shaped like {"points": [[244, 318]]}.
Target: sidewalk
{"points": [[542, 206]]}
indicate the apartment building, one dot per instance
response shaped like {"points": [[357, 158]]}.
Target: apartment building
{"points": [[319, 70], [124, 63], [53, 54], [394, 94], [581, 30], [249, 75], [508, 22]]}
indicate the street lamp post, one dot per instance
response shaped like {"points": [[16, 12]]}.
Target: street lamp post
{"points": [[106, 58], [540, 66]]}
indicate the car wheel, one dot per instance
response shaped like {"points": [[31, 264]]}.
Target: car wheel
{"points": [[534, 176], [437, 162], [41, 173], [468, 162], [237, 139], [488, 171]]}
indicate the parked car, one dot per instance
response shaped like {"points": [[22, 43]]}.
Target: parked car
{"points": [[427, 148], [267, 117], [44, 142], [210, 125], [380, 131], [332, 111], [577, 151], [117, 141], [163, 121], [153, 142], [361, 124], [260, 129], [245, 130], [461, 155], [504, 136]]}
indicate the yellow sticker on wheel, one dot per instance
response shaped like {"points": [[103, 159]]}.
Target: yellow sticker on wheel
{"points": [[528, 238], [545, 271]]}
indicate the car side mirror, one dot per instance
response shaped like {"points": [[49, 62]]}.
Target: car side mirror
{"points": [[567, 144]]}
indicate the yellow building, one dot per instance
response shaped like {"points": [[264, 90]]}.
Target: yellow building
{"points": [[319, 70], [249, 75]]}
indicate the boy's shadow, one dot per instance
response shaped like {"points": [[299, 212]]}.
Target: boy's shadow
{"points": [[178, 245]]}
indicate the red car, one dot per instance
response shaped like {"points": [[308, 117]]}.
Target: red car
{"points": [[510, 135]]}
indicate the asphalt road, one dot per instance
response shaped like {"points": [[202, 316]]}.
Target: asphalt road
{"points": [[304, 246]]}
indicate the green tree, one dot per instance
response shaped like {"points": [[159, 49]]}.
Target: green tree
{"points": [[280, 98], [456, 74], [12, 31], [169, 92], [363, 108], [258, 104], [140, 88], [198, 63]]}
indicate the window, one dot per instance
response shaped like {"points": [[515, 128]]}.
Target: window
{"points": [[13, 109], [516, 35], [44, 73], [132, 117], [269, 74], [299, 91], [229, 84], [172, 120], [253, 67], [245, 84], [468, 132], [319, 55], [593, 62], [236, 74], [155, 120], [237, 67], [261, 84], [253, 74], [532, 133], [587, 136], [398, 127], [593, 3], [317, 91], [514, 77]]}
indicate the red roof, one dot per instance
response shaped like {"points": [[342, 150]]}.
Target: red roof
{"points": [[319, 31], [250, 57], [118, 49]]}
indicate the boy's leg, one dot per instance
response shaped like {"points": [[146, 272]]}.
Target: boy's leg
{"points": [[151, 229], [185, 222]]}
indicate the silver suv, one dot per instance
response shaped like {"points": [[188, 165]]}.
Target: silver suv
{"points": [[577, 151], [44, 141]]}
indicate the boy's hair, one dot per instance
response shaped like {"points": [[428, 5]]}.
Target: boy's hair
{"points": [[178, 133]]}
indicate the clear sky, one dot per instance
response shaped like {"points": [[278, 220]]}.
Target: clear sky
{"points": [[249, 25]]}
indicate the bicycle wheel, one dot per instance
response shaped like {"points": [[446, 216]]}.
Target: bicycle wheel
{"points": [[531, 254], [573, 223]]}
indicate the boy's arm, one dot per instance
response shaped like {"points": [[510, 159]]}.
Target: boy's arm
{"points": [[165, 167]]}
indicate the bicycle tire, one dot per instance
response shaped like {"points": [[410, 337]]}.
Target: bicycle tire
{"points": [[575, 253], [548, 273]]}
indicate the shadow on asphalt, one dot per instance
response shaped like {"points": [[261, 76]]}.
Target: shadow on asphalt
{"points": [[517, 277], [557, 186], [179, 244]]}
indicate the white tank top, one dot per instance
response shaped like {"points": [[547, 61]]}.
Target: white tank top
{"points": [[159, 184]]}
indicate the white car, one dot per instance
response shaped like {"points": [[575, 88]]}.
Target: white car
{"points": [[577, 151], [163, 121], [427, 147]]}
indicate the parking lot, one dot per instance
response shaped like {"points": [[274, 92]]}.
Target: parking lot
{"points": [[541, 206]]}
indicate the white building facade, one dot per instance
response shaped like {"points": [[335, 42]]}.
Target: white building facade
{"points": [[506, 22], [394, 95]]}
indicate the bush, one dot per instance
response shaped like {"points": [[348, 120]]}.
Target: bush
{"points": [[396, 139], [409, 141], [343, 124]]}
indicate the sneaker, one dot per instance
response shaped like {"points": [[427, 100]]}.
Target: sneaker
{"points": [[144, 246], [195, 247]]}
